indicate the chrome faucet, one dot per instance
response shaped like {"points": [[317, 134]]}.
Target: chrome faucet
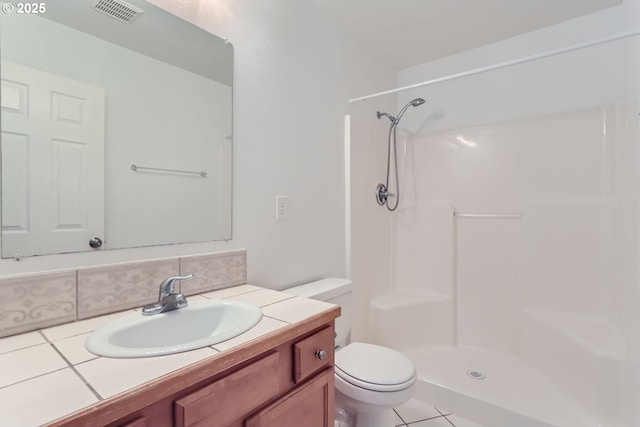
{"points": [[168, 298]]}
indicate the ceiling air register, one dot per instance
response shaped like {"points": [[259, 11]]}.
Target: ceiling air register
{"points": [[118, 9]]}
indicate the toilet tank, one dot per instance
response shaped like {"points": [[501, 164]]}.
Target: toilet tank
{"points": [[336, 291]]}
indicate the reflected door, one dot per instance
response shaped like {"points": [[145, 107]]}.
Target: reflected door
{"points": [[52, 162]]}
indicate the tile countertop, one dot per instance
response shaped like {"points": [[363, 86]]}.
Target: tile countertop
{"points": [[48, 374]]}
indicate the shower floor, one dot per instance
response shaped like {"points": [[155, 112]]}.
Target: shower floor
{"points": [[510, 394]]}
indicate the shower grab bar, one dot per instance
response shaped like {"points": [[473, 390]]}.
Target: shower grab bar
{"points": [[137, 168], [522, 60], [506, 215]]}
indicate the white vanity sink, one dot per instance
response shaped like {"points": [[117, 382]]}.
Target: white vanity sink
{"points": [[200, 324]]}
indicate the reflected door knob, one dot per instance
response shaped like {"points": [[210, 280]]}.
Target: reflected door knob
{"points": [[95, 243]]}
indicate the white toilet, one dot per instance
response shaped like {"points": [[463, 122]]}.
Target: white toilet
{"points": [[370, 379]]}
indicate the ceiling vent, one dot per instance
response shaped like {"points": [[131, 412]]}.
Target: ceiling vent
{"points": [[118, 9]]}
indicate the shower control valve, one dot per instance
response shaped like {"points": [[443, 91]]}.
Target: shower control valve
{"points": [[382, 194]]}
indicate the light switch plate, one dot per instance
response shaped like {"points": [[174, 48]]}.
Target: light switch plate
{"points": [[282, 208]]}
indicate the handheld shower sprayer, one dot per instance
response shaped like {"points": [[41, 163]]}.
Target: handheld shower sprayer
{"points": [[413, 103], [382, 192]]}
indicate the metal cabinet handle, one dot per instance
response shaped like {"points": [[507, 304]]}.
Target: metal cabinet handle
{"points": [[95, 243], [321, 354]]}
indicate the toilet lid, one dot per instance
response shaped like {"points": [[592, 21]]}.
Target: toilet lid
{"points": [[374, 367]]}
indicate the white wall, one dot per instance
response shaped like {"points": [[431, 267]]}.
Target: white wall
{"points": [[294, 72]]}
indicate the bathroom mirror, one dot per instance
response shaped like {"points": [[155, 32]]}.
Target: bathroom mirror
{"points": [[116, 128]]}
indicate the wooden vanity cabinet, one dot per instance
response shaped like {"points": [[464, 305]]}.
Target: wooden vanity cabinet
{"points": [[289, 385], [276, 386]]}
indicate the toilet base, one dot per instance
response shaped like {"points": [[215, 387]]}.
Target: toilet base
{"points": [[354, 413], [368, 420]]}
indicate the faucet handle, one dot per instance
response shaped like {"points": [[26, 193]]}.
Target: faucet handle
{"points": [[167, 285]]}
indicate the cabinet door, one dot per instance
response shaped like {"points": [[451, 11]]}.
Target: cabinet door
{"points": [[310, 405], [138, 422], [231, 397]]}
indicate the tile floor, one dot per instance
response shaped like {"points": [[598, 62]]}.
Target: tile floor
{"points": [[417, 414]]}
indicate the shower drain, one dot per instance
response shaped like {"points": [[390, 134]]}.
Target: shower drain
{"points": [[476, 375]]}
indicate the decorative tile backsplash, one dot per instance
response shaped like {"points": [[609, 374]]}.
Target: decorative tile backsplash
{"points": [[33, 302], [107, 289], [214, 271], [47, 299]]}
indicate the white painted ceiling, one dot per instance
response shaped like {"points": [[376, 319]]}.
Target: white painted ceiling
{"points": [[410, 32]]}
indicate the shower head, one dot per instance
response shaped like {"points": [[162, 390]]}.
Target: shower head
{"points": [[413, 103], [394, 121]]}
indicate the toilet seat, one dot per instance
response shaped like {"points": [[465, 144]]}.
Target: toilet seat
{"points": [[363, 396], [374, 368]]}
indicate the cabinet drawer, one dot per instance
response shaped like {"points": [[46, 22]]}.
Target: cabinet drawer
{"points": [[231, 397], [313, 354]]}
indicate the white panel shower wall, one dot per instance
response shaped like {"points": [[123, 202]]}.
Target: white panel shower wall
{"points": [[567, 257], [487, 260], [423, 247], [404, 319], [419, 309]]}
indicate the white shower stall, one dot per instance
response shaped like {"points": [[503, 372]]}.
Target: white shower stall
{"points": [[509, 273]]}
